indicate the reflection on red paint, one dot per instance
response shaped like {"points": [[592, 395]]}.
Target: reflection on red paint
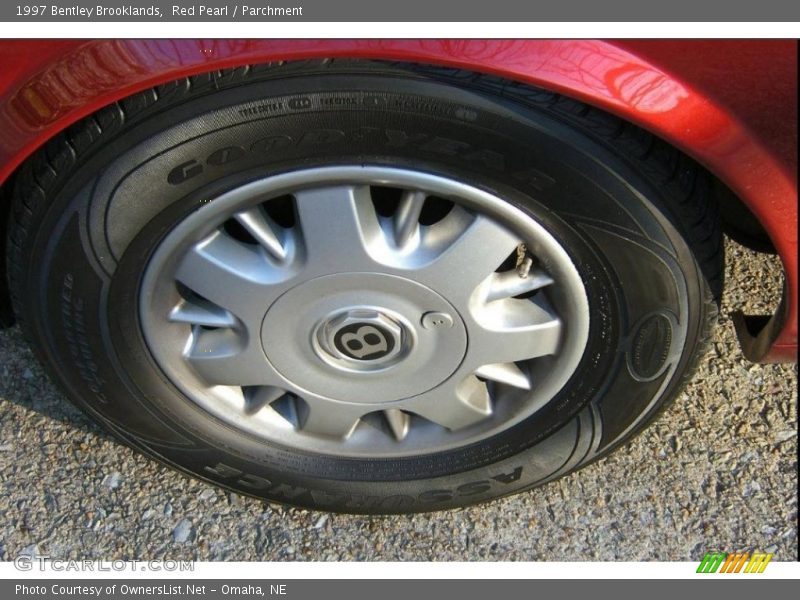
{"points": [[740, 122]]}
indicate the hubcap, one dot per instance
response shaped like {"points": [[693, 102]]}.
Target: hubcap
{"points": [[364, 311]]}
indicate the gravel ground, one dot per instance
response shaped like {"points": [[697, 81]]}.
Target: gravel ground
{"points": [[718, 470]]}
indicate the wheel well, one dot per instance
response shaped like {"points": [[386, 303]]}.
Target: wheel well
{"points": [[737, 219], [6, 313], [738, 222]]}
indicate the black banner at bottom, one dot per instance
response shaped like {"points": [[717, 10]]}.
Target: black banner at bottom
{"points": [[381, 589]]}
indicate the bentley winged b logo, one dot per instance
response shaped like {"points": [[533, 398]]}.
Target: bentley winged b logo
{"points": [[363, 341]]}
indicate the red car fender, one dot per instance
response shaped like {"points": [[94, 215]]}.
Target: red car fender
{"points": [[731, 105]]}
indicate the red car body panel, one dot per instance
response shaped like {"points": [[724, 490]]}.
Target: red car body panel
{"points": [[731, 105]]}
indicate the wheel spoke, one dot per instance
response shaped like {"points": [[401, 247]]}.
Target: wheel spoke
{"points": [[399, 422], [513, 330], [405, 221], [257, 398], [221, 357], [338, 225], [455, 407], [325, 418], [286, 407], [509, 284], [263, 229], [230, 274], [508, 373], [473, 247], [199, 311]]}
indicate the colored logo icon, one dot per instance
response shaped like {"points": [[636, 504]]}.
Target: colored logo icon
{"points": [[738, 562]]}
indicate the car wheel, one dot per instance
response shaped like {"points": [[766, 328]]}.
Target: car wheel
{"points": [[365, 287]]}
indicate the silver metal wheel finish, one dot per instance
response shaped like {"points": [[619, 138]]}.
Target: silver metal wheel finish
{"points": [[355, 328]]}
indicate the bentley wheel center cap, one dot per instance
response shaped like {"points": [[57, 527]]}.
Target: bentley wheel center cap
{"points": [[368, 337], [356, 337]]}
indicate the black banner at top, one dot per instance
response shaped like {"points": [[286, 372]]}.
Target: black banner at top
{"points": [[408, 10]]}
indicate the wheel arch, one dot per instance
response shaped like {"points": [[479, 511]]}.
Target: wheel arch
{"points": [[70, 80]]}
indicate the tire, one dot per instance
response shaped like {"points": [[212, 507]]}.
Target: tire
{"points": [[95, 209]]}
